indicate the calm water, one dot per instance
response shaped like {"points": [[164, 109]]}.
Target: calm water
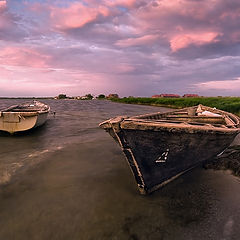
{"points": [[69, 180]]}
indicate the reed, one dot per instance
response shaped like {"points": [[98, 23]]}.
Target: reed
{"points": [[229, 104]]}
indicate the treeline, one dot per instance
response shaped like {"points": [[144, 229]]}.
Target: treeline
{"points": [[88, 96], [229, 104]]}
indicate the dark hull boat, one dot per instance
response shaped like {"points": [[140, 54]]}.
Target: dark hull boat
{"points": [[160, 147]]}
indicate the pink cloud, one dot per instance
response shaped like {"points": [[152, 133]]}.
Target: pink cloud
{"points": [[3, 4], [232, 14], [76, 15], [220, 85], [5, 20], [16, 56], [4, 73], [235, 36], [147, 39], [184, 40], [122, 3], [124, 68], [184, 23]]}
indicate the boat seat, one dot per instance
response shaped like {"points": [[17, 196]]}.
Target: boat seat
{"points": [[199, 119]]}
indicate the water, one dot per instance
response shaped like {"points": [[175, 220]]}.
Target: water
{"points": [[70, 180]]}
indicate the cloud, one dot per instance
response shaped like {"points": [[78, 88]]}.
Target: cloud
{"points": [[9, 28], [156, 45], [228, 84], [138, 41], [22, 56], [186, 23], [76, 15], [3, 4], [184, 40], [128, 4]]}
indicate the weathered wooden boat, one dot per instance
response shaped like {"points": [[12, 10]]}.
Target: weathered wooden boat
{"points": [[160, 147], [23, 117]]}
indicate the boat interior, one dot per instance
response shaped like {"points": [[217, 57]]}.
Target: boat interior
{"points": [[31, 107], [198, 115]]}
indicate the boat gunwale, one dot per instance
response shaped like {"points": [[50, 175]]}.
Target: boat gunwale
{"points": [[141, 122], [25, 108], [172, 126]]}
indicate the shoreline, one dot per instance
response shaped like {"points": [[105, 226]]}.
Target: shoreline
{"points": [[228, 104]]}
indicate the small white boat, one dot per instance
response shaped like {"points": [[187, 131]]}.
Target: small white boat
{"points": [[23, 117]]}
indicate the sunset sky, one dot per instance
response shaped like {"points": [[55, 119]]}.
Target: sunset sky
{"points": [[129, 47]]}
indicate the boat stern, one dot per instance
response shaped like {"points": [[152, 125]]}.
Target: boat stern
{"points": [[16, 122]]}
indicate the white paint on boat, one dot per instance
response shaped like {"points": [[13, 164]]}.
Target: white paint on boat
{"points": [[23, 117]]}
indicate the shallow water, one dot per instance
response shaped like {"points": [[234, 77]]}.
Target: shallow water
{"points": [[69, 180]]}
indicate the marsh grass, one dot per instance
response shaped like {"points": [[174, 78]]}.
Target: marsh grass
{"points": [[229, 104]]}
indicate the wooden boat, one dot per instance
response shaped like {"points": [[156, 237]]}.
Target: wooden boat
{"points": [[160, 147], [23, 117]]}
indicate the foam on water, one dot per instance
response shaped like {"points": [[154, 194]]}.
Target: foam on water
{"points": [[8, 169]]}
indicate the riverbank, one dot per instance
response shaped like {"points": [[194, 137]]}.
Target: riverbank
{"points": [[229, 104]]}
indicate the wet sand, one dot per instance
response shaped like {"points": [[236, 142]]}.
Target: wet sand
{"points": [[85, 190]]}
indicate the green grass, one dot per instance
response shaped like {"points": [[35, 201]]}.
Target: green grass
{"points": [[229, 104]]}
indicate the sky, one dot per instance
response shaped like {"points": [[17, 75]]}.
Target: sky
{"points": [[129, 47]]}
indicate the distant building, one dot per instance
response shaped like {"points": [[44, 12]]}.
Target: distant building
{"points": [[156, 96], [77, 97], [190, 95], [169, 96], [83, 98], [113, 95]]}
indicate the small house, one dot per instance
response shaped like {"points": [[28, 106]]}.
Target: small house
{"points": [[169, 96], [190, 95], [113, 95], [156, 96]]}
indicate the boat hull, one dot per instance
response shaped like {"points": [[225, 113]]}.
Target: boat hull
{"points": [[21, 121], [41, 119], [157, 157]]}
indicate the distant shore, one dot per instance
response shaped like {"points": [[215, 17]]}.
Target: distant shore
{"points": [[229, 104], [26, 98]]}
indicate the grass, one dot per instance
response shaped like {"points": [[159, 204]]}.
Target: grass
{"points": [[229, 104]]}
